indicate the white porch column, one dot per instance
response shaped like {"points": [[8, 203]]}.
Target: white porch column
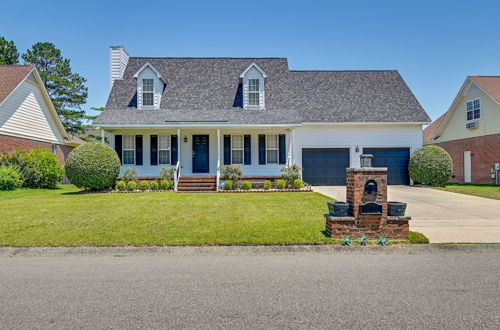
{"points": [[179, 143], [290, 147], [218, 159], [102, 136]]}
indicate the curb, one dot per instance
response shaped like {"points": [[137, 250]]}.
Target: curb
{"points": [[244, 250]]}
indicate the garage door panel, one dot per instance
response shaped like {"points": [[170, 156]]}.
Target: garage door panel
{"points": [[325, 166], [395, 159]]}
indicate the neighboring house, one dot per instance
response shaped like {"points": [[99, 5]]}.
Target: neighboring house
{"points": [[199, 114], [27, 116], [470, 130]]}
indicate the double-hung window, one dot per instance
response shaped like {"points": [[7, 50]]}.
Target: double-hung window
{"points": [[253, 92], [272, 149], [129, 149], [237, 145], [147, 92], [164, 149], [473, 109]]}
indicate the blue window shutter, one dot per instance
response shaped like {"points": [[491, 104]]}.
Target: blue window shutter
{"points": [[138, 150], [154, 150], [282, 149], [227, 149], [248, 149], [262, 149], [173, 149], [118, 147]]}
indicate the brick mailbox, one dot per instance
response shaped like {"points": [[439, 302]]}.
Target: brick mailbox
{"points": [[366, 193]]}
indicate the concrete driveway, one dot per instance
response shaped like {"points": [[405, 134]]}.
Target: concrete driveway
{"points": [[442, 216]]}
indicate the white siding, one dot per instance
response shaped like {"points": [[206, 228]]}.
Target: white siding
{"points": [[118, 60], [253, 73], [351, 136], [147, 73], [25, 113]]}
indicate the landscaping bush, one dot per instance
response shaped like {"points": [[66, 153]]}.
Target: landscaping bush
{"points": [[228, 185], [291, 173], [92, 166], [143, 185], [129, 174], [232, 173], [247, 185], [167, 173], [267, 185], [153, 185], [9, 178], [165, 185], [281, 184], [121, 186], [430, 165], [417, 238], [298, 184], [131, 186], [38, 168]]}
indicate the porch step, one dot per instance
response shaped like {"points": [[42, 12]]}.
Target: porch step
{"points": [[197, 184]]}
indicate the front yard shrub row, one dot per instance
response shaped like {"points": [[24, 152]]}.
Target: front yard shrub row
{"points": [[144, 185], [121, 186], [281, 184], [9, 178], [247, 185], [266, 185], [166, 185], [131, 185], [153, 185], [93, 166], [37, 168]]}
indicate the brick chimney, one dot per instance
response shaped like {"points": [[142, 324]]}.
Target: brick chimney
{"points": [[118, 59]]}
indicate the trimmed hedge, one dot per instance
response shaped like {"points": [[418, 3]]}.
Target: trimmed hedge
{"points": [[93, 166], [9, 178], [430, 165]]}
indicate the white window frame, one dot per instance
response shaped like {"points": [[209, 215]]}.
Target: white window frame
{"points": [[472, 110], [152, 92], [254, 92], [54, 149], [169, 149], [238, 149], [133, 149], [273, 149]]}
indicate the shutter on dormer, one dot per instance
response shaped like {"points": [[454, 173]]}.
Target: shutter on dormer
{"points": [[155, 95], [139, 95], [262, 93], [245, 93]]}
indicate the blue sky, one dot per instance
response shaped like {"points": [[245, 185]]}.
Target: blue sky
{"points": [[433, 44]]}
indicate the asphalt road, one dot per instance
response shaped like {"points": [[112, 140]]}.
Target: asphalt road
{"points": [[388, 289]]}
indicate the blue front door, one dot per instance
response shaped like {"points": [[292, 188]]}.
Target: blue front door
{"points": [[200, 154]]}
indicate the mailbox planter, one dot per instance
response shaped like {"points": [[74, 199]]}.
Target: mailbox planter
{"points": [[338, 209], [396, 209]]}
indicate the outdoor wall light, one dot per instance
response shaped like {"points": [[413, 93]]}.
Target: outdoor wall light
{"points": [[357, 148], [185, 139]]}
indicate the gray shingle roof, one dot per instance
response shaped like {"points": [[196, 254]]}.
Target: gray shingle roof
{"points": [[209, 90]]}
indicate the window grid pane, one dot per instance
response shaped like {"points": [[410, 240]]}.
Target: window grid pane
{"points": [[128, 157], [272, 141], [237, 141], [473, 109], [253, 98], [164, 149], [164, 157], [147, 85], [237, 156], [253, 85], [272, 156], [147, 98]]}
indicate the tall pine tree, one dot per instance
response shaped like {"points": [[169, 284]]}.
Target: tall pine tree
{"points": [[8, 52], [67, 90]]}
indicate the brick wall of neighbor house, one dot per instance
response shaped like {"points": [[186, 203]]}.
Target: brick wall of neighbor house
{"points": [[485, 153], [9, 143]]}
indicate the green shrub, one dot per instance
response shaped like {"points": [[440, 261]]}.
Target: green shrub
{"points": [[165, 185], [9, 178], [232, 173], [281, 184], [153, 185], [417, 238], [131, 186], [298, 184], [143, 185], [228, 185], [430, 165], [247, 185], [167, 173], [267, 185], [93, 166], [121, 186], [291, 173], [129, 174]]}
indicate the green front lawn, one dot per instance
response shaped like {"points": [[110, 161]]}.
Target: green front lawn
{"points": [[63, 217], [481, 190]]}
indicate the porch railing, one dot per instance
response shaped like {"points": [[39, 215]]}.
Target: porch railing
{"points": [[218, 174], [177, 174]]}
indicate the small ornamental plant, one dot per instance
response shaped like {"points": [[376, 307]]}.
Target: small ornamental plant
{"points": [[383, 241], [281, 184], [298, 184], [144, 185], [347, 241], [121, 186], [228, 185], [267, 185], [363, 240], [129, 174], [131, 186], [247, 185], [291, 173], [167, 173], [153, 185], [165, 185], [232, 173]]}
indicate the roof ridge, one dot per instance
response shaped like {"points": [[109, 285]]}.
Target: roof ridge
{"points": [[16, 65], [487, 76], [202, 58], [343, 70]]}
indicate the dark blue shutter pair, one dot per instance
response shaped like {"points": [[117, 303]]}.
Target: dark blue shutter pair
{"points": [[154, 150], [281, 149], [247, 149]]}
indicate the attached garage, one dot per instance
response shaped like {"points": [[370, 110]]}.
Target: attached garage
{"points": [[325, 166], [395, 159]]}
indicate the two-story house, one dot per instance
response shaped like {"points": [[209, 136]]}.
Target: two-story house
{"points": [[470, 131]]}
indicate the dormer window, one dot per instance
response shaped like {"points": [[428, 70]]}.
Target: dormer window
{"points": [[147, 92], [253, 92]]}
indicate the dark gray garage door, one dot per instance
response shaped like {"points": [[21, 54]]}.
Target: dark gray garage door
{"points": [[325, 166], [395, 159]]}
